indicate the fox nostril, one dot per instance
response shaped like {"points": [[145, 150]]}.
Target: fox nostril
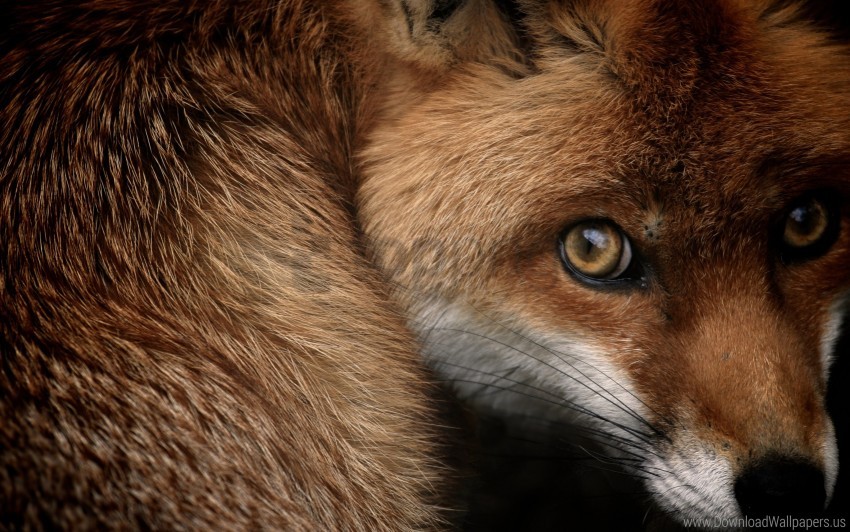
{"points": [[780, 486]]}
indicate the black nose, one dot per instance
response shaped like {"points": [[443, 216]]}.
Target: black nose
{"points": [[780, 486]]}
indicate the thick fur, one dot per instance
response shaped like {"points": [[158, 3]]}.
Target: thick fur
{"points": [[194, 331], [189, 335]]}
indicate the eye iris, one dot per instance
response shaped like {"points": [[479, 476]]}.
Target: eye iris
{"points": [[594, 249], [806, 224]]}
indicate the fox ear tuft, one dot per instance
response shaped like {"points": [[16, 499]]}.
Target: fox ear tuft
{"points": [[439, 33], [426, 19], [435, 12]]}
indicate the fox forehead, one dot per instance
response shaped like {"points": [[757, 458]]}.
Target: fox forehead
{"points": [[713, 114]]}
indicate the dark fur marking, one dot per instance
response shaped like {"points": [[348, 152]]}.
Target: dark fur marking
{"points": [[443, 10], [408, 16], [678, 168]]}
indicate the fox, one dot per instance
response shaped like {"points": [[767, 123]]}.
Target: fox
{"points": [[247, 246], [632, 220]]}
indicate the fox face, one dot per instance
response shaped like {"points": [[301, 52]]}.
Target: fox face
{"points": [[634, 218]]}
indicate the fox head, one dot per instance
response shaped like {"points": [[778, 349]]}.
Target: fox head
{"points": [[634, 215]]}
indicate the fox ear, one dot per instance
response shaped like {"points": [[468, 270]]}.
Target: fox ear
{"points": [[438, 33]]}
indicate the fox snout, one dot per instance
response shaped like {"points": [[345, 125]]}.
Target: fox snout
{"points": [[745, 413]]}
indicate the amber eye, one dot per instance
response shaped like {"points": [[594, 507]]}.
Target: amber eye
{"points": [[597, 250], [810, 227], [806, 224]]}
